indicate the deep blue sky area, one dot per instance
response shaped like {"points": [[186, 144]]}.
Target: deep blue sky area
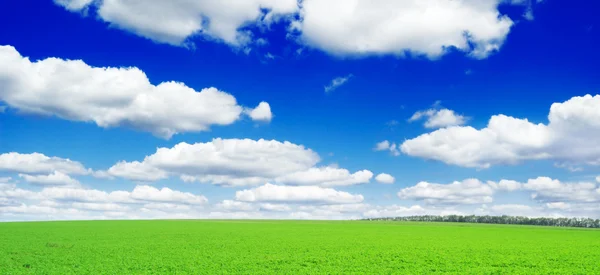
{"points": [[551, 58]]}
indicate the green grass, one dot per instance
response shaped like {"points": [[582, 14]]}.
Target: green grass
{"points": [[287, 247]]}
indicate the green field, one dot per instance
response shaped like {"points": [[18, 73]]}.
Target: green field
{"points": [[285, 247]]}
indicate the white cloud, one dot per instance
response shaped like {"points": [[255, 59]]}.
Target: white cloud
{"points": [[296, 194], [140, 194], [36, 163], [181, 19], [244, 157], [99, 206], [237, 162], [37, 210], [337, 82], [68, 203], [241, 206], [110, 97], [341, 28], [136, 171], [149, 193], [85, 195], [385, 178], [10, 191], [382, 146], [558, 205], [387, 146], [56, 178], [439, 118], [225, 180], [506, 185], [569, 138], [422, 27], [339, 208], [167, 207], [581, 197], [326, 176], [598, 179], [231, 205], [73, 5], [224, 161], [569, 166], [269, 202], [262, 112], [470, 191], [550, 190]]}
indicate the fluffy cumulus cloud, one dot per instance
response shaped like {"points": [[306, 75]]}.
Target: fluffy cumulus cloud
{"points": [[339, 27], [262, 112], [554, 191], [112, 97], [549, 197], [136, 171], [56, 178], [385, 178], [439, 118], [470, 191], [80, 203], [232, 205], [242, 206], [237, 162], [506, 185], [73, 5], [326, 176], [180, 19], [296, 194], [36, 163], [422, 27], [140, 194], [10, 191], [569, 138], [221, 161], [153, 194]]}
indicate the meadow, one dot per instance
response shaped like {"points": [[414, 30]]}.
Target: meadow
{"points": [[288, 247]]}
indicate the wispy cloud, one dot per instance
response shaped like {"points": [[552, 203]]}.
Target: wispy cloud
{"points": [[337, 82], [269, 56]]}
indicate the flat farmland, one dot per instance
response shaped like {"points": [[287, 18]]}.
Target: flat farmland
{"points": [[287, 247]]}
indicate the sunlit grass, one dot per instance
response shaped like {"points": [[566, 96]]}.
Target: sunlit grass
{"points": [[285, 247]]}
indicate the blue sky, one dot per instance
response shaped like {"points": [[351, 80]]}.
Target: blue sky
{"points": [[457, 64]]}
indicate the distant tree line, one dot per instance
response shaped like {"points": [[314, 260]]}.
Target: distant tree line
{"points": [[561, 222]]}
